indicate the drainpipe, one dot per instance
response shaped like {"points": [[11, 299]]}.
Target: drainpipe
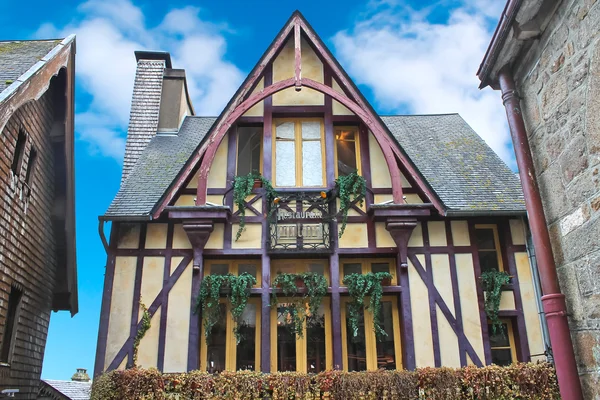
{"points": [[553, 300], [537, 289]]}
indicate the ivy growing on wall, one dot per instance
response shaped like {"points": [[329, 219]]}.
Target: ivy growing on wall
{"points": [[141, 332], [349, 188], [492, 286]]}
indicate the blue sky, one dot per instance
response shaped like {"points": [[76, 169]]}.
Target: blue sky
{"points": [[406, 56]]}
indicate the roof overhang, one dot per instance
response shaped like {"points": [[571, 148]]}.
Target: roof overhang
{"points": [[31, 86], [522, 23]]}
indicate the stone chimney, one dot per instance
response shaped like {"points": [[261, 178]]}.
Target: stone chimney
{"points": [[81, 375]]}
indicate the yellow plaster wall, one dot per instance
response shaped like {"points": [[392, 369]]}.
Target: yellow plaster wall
{"points": [[284, 68], [380, 174], [129, 238], [517, 231], [416, 238], [215, 241], [338, 108], [217, 176], [251, 238], [382, 236], [119, 322], [469, 303], [123, 364], [460, 233], [449, 350], [180, 238], [193, 184], [419, 300], [148, 349], [405, 183], [215, 199], [185, 200], [178, 321], [412, 198], [382, 198], [355, 236], [258, 109], [530, 309], [437, 233], [156, 236], [152, 281], [507, 301]]}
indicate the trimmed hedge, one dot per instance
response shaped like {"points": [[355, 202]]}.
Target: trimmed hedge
{"points": [[518, 381]]}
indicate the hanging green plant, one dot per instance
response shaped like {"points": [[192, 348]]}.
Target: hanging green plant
{"points": [[349, 188], [295, 310], [492, 286], [141, 332], [359, 287], [209, 295], [242, 188]]}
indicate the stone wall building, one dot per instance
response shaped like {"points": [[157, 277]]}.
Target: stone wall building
{"points": [[37, 212], [552, 50]]}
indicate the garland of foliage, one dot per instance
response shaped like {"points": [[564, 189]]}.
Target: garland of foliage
{"points": [[242, 188], [360, 286], [349, 188], [210, 293], [141, 332], [296, 312], [492, 286]]}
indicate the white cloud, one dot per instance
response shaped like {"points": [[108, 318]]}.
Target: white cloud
{"points": [[412, 63], [108, 32]]}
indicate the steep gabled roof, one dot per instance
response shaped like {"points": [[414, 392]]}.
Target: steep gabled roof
{"points": [[16, 57], [65, 390], [461, 168], [157, 168], [458, 165]]}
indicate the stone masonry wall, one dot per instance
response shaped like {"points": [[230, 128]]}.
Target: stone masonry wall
{"points": [[27, 255], [559, 82]]}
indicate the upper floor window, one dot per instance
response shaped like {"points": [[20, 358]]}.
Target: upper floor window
{"points": [[346, 150], [502, 344], [249, 149], [12, 315], [299, 153], [30, 166], [18, 155], [488, 247]]}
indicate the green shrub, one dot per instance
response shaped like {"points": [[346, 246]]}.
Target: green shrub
{"points": [[518, 381]]}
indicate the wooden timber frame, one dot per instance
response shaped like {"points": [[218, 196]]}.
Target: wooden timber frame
{"points": [[399, 219]]}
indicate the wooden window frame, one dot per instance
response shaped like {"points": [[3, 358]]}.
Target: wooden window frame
{"points": [[298, 150], [356, 147], [366, 267], [301, 266], [237, 147], [9, 334], [301, 343], [19, 154], [234, 268], [511, 340], [230, 340], [498, 248], [370, 337]]}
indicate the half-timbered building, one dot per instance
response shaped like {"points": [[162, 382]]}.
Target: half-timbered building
{"points": [[440, 208]]}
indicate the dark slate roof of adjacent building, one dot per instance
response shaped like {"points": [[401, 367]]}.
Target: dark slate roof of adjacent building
{"points": [[463, 171], [16, 57], [157, 167], [458, 165], [63, 390]]}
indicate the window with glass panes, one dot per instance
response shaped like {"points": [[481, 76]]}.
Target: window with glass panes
{"points": [[312, 352], [249, 149], [221, 350], [299, 152], [488, 248], [502, 344], [365, 265], [346, 150]]}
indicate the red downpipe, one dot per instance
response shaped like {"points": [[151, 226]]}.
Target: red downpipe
{"points": [[553, 300]]}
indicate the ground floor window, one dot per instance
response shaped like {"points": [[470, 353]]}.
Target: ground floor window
{"points": [[221, 351], [310, 353], [365, 351], [502, 344]]}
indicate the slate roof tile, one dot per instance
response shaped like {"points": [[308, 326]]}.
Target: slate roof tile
{"points": [[16, 57], [72, 390]]}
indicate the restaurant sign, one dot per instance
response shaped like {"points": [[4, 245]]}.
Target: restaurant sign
{"points": [[300, 222]]}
